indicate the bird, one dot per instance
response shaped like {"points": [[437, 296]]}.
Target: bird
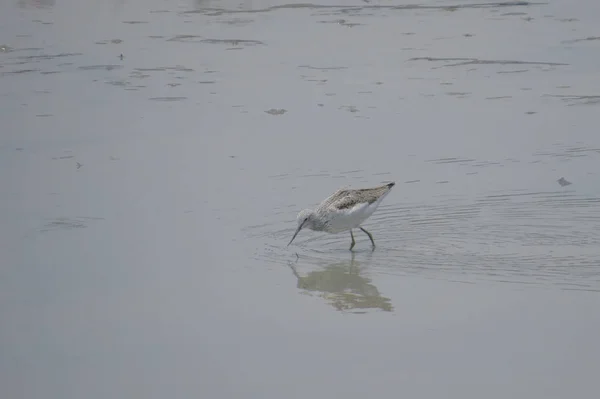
{"points": [[345, 209]]}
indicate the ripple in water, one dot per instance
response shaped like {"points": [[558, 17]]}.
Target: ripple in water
{"points": [[536, 238]]}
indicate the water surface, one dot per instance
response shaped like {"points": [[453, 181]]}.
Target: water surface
{"points": [[154, 155]]}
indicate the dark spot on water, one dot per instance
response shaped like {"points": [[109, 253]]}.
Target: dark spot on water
{"points": [[355, 9], [477, 61], [274, 111], [20, 71], [111, 41], [586, 39], [47, 56], [450, 160], [335, 68], [236, 21], [577, 99], [181, 38], [100, 67], [349, 108], [515, 71], [199, 39], [458, 93], [167, 98], [178, 68], [563, 182], [64, 223]]}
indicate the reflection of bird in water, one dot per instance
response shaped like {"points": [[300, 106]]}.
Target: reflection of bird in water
{"points": [[342, 285], [344, 210]]}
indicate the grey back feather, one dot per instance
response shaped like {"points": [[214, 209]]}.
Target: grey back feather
{"points": [[347, 198]]}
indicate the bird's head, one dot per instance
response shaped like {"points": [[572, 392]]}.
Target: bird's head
{"points": [[305, 219]]}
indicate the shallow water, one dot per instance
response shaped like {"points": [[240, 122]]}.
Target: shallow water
{"points": [[154, 155]]}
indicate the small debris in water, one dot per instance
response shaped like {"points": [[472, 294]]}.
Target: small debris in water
{"points": [[274, 111], [349, 108], [563, 182]]}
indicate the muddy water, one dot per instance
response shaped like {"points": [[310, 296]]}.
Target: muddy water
{"points": [[154, 154]]}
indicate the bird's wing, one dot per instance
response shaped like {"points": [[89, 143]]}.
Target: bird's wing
{"points": [[348, 198], [335, 199]]}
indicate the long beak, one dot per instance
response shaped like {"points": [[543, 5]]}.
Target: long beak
{"points": [[296, 233]]}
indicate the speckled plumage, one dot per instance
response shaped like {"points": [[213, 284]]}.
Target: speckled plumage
{"points": [[347, 198], [343, 210]]}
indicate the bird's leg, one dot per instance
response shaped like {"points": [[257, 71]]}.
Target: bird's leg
{"points": [[353, 242], [370, 236]]}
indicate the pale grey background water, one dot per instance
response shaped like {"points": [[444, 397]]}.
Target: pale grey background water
{"points": [[146, 201]]}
